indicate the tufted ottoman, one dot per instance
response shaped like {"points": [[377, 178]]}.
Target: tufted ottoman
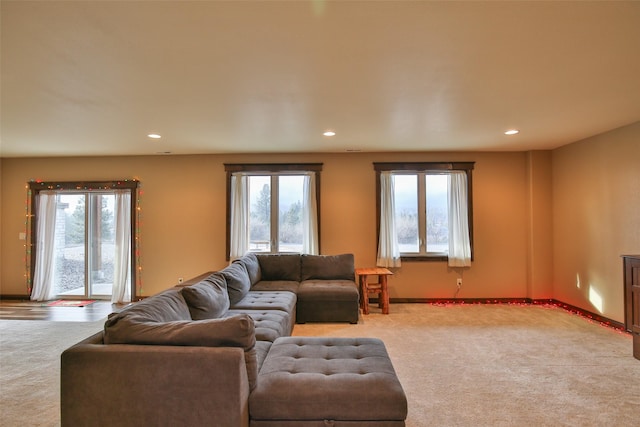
{"points": [[319, 381]]}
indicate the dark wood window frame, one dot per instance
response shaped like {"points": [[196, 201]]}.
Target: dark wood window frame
{"points": [[419, 167], [36, 187], [269, 168]]}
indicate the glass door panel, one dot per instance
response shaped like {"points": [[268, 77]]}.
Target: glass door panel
{"points": [[102, 245], [69, 271]]}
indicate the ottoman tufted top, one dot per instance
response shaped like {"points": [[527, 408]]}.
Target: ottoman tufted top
{"points": [[322, 378]]}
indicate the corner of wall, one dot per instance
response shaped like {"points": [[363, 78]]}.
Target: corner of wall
{"points": [[540, 234]]}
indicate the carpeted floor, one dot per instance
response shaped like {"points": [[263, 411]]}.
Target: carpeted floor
{"points": [[504, 365], [462, 365], [30, 368]]}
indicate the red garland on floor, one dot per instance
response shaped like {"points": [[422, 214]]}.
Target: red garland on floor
{"points": [[70, 303]]}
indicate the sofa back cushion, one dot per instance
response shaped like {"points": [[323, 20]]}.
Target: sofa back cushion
{"points": [[238, 283], [280, 267], [328, 267], [167, 306], [250, 262], [207, 299], [234, 331]]}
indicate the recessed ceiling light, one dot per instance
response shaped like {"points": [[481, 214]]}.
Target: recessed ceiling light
{"points": [[512, 132], [154, 136], [329, 133]]}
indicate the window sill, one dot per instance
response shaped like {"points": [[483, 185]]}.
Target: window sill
{"points": [[424, 258]]}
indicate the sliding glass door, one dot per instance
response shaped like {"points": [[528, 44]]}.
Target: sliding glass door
{"points": [[84, 245], [82, 235]]}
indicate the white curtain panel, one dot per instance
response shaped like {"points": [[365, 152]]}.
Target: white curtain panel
{"points": [[239, 235], [310, 215], [388, 249], [121, 291], [459, 244], [46, 208]]}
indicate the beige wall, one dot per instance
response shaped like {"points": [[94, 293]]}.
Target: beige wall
{"points": [[596, 218], [183, 217], [547, 224]]}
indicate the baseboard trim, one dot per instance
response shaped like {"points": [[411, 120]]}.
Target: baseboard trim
{"points": [[15, 297], [568, 307], [459, 300]]}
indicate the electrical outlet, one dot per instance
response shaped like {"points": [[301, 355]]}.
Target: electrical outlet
{"points": [[180, 279], [459, 281]]}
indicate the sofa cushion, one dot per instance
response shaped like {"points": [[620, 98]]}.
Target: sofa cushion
{"points": [[269, 324], [167, 306], [327, 301], [235, 331], [207, 299], [250, 262], [276, 285], [238, 283], [267, 300], [327, 267], [328, 290], [280, 267]]}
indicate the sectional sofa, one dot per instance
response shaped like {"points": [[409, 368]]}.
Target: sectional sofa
{"points": [[192, 355]]}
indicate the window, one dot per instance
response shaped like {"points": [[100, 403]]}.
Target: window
{"points": [[82, 240], [419, 212], [272, 208]]}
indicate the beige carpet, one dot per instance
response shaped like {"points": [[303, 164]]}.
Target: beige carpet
{"points": [[469, 365], [30, 368], [504, 365]]}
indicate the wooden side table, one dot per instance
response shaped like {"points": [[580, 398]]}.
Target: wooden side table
{"points": [[379, 288]]}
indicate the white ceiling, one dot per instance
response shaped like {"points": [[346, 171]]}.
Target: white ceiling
{"points": [[95, 77]]}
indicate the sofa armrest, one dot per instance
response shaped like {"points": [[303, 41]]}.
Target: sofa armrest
{"points": [[134, 385]]}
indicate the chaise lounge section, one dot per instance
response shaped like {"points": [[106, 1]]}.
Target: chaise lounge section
{"points": [[325, 285]]}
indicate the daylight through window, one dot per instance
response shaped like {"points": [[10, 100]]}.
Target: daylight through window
{"points": [[424, 212], [272, 208]]}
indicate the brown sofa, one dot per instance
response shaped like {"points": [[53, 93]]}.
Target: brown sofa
{"points": [[191, 355]]}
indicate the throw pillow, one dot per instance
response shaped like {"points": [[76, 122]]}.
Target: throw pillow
{"points": [[167, 306], [207, 299], [238, 283], [250, 262]]}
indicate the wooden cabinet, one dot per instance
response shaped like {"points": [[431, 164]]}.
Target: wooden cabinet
{"points": [[632, 299]]}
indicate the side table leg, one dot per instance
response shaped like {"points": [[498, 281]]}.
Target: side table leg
{"points": [[364, 294], [384, 294]]}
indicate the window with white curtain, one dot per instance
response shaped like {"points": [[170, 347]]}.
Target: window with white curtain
{"points": [[424, 212], [272, 208], [83, 240]]}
